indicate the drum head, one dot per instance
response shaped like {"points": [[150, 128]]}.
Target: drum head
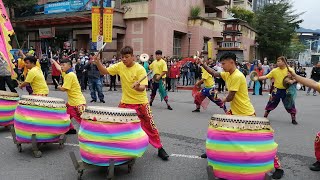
{"points": [[42, 101], [7, 95], [240, 122], [110, 114]]}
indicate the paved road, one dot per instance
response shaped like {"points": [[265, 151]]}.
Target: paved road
{"points": [[183, 134]]}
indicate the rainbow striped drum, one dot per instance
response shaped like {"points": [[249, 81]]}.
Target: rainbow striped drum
{"points": [[240, 147], [8, 105], [111, 133], [46, 117]]}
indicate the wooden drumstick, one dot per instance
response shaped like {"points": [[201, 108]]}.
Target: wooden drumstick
{"points": [[138, 82], [56, 82]]}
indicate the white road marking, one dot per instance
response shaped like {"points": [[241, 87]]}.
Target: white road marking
{"points": [[186, 156]]}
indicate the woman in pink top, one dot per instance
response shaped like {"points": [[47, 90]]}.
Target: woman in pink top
{"points": [[174, 75]]}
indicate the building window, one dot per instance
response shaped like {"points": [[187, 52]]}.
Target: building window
{"points": [[205, 44], [177, 46]]}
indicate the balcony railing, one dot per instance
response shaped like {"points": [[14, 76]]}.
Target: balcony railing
{"points": [[131, 1], [230, 45], [215, 3]]}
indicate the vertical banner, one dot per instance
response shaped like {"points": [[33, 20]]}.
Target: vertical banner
{"points": [[95, 23], [210, 49], [107, 24]]}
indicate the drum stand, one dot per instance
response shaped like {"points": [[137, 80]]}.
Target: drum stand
{"points": [[35, 145], [212, 177], [80, 166]]}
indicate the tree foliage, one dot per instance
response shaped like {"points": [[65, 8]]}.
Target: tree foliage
{"points": [[276, 24], [18, 3], [296, 47], [243, 14]]}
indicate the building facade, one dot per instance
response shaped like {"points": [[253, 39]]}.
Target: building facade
{"points": [[145, 25]]}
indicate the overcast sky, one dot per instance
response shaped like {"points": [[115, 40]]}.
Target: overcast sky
{"points": [[311, 16]]}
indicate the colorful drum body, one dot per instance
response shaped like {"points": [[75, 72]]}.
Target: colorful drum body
{"points": [[44, 116], [8, 105], [111, 133], [240, 147]]}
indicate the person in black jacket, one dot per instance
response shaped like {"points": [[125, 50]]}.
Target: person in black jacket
{"points": [[79, 71], [315, 75]]}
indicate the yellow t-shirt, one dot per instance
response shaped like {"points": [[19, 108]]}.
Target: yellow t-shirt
{"points": [[158, 67], [25, 70], [278, 75], [36, 79], [128, 76], [208, 80], [71, 83], [240, 105]]}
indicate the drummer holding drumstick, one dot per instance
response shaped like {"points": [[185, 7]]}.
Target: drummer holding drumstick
{"points": [[238, 94], [76, 101], [134, 94]]}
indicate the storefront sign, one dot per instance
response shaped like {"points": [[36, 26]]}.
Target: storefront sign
{"points": [[46, 32], [107, 24], [95, 23]]}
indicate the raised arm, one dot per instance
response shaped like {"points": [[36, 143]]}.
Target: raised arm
{"points": [[56, 64], [209, 70], [101, 68], [261, 78]]}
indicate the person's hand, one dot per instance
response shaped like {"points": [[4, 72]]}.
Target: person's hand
{"points": [[60, 88], [224, 99], [291, 81], [158, 78], [20, 86], [96, 60], [136, 85], [292, 73], [198, 83]]}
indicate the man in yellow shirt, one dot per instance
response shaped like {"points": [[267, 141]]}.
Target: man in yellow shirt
{"points": [[314, 85], [238, 94], [159, 68], [76, 102], [35, 78], [279, 92], [134, 94], [207, 91]]}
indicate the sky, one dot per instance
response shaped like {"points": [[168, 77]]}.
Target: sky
{"points": [[312, 13]]}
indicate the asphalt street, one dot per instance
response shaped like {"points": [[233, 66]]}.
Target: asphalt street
{"points": [[183, 134]]}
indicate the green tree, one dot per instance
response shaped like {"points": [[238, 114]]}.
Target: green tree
{"points": [[243, 14], [296, 47], [276, 24], [17, 4]]}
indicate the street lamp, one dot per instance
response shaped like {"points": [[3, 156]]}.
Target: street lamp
{"points": [[189, 37]]}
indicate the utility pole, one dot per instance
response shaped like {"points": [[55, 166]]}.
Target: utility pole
{"points": [[101, 24]]}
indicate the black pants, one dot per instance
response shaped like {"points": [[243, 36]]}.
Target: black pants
{"points": [[45, 73], [168, 83], [6, 80], [84, 84], [113, 82], [260, 89], [54, 79], [221, 84]]}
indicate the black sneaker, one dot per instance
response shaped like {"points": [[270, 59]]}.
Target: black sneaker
{"points": [[150, 103], [278, 174], [315, 166], [110, 89], [204, 156], [72, 131], [115, 90], [93, 101], [102, 101], [294, 122], [163, 154], [196, 110], [169, 107]]}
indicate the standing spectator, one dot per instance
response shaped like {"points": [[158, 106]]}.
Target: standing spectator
{"points": [[174, 75], [315, 75], [94, 81], [259, 70], [266, 70], [221, 83], [85, 74], [302, 73], [184, 71], [112, 81], [5, 76], [168, 78], [79, 72], [45, 63], [55, 74]]}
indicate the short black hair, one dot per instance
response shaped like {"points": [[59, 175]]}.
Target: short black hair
{"points": [[31, 59], [63, 61], [126, 50], [228, 55], [158, 52]]}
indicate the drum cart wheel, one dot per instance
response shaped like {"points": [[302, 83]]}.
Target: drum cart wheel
{"points": [[35, 148], [212, 177], [80, 166]]}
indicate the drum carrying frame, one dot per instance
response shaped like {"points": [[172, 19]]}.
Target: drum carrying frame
{"points": [[80, 166], [35, 145], [211, 176]]}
